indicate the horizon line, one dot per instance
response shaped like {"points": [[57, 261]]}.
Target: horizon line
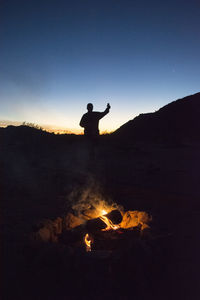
{"points": [[49, 128]]}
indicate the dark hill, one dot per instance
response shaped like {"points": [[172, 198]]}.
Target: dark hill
{"points": [[26, 135], [178, 121]]}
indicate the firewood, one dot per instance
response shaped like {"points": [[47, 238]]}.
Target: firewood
{"points": [[95, 225], [114, 216], [98, 224]]}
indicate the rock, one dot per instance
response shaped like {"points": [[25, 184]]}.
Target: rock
{"points": [[72, 221], [135, 218]]}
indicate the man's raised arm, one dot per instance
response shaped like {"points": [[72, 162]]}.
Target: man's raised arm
{"points": [[106, 111]]}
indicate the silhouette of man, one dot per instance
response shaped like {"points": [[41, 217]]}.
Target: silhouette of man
{"points": [[90, 120]]}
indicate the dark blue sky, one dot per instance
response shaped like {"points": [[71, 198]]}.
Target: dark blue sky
{"points": [[56, 56]]}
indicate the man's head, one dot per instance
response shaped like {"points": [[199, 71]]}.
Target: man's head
{"points": [[90, 107]]}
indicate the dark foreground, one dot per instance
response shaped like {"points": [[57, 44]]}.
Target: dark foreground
{"points": [[41, 177]]}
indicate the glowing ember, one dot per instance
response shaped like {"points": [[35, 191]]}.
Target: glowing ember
{"points": [[87, 242]]}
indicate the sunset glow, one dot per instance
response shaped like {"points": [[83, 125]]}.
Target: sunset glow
{"points": [[69, 54]]}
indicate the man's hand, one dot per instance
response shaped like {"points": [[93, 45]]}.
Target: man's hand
{"points": [[108, 105]]}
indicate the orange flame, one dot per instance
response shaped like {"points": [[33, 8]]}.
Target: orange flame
{"points": [[88, 242], [109, 224], [103, 212]]}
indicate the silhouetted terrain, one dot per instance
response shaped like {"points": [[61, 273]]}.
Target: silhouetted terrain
{"points": [[174, 123], [151, 163]]}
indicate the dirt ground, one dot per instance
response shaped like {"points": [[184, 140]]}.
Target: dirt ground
{"points": [[38, 177]]}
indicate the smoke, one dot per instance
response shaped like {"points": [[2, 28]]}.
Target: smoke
{"points": [[90, 200]]}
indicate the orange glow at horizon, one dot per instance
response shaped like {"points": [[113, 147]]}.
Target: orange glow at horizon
{"points": [[73, 131], [57, 128]]}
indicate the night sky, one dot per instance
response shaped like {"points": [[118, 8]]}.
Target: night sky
{"points": [[56, 56]]}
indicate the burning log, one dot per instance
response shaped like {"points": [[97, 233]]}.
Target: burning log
{"points": [[114, 216], [114, 239], [105, 222], [95, 225]]}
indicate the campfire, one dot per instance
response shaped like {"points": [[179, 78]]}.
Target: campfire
{"points": [[100, 245], [101, 227], [114, 223]]}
